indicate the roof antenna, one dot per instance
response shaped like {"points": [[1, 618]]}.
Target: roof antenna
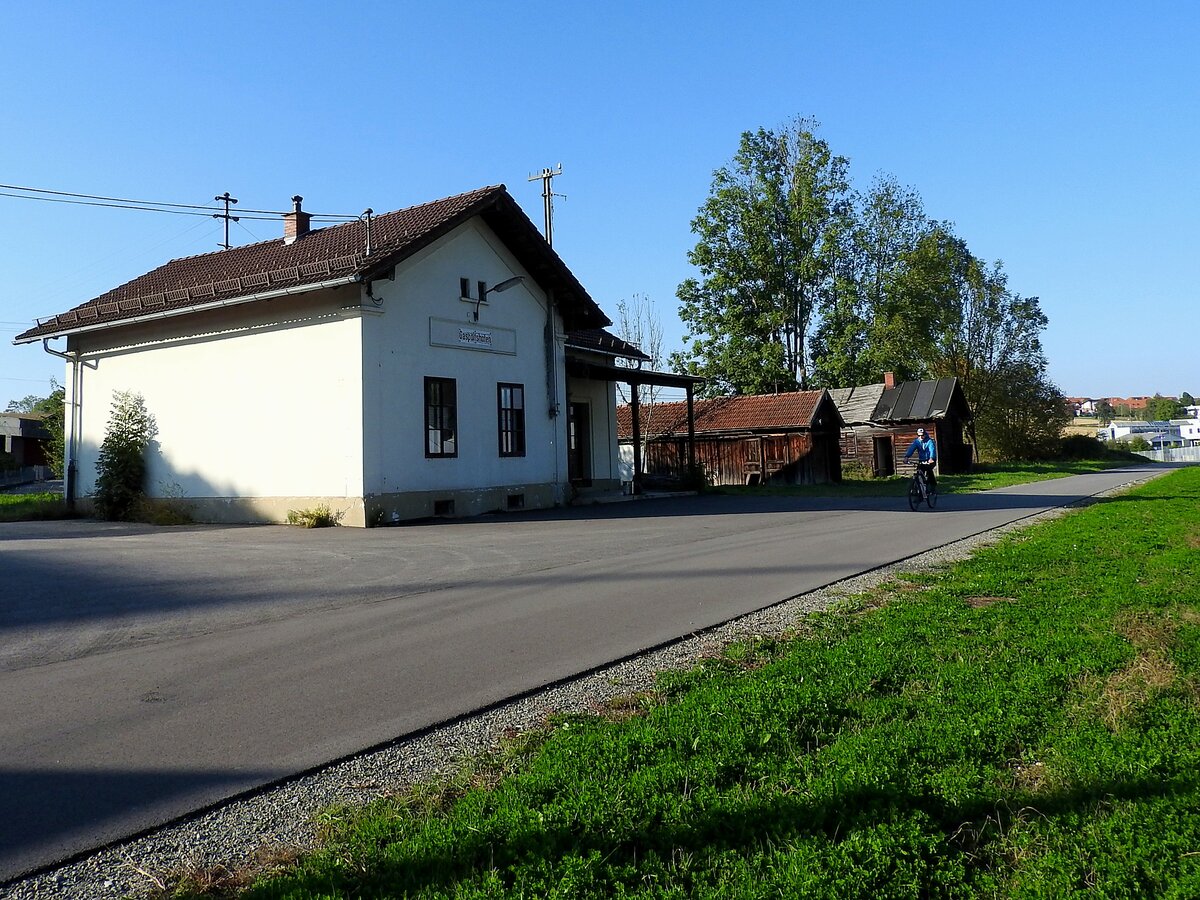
{"points": [[226, 199], [548, 198], [366, 216]]}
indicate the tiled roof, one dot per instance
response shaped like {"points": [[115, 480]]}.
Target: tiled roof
{"points": [[761, 412], [604, 341], [325, 254]]}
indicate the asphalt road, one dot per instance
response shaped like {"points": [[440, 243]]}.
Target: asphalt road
{"points": [[149, 672]]}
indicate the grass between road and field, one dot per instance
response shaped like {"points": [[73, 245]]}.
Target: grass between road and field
{"points": [[28, 507], [1021, 724]]}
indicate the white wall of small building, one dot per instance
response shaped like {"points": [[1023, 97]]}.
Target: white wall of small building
{"points": [[424, 328], [254, 401], [321, 395]]}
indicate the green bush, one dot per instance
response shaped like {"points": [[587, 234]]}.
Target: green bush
{"points": [[121, 467], [316, 517], [1080, 446], [857, 470]]}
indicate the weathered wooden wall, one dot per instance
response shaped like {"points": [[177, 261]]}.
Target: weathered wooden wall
{"points": [[794, 458]]}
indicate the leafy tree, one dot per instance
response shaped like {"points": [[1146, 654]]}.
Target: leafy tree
{"points": [[121, 467], [1187, 399], [1026, 421], [888, 222], [1104, 411], [1160, 409], [769, 239], [54, 412], [26, 404]]}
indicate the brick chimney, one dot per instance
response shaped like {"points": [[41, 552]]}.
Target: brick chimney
{"points": [[889, 380], [295, 223]]}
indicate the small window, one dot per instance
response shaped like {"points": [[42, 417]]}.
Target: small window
{"points": [[510, 417], [516, 501], [464, 288], [443, 507], [482, 296], [441, 418]]}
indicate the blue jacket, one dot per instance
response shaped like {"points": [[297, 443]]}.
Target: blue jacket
{"points": [[926, 450]]}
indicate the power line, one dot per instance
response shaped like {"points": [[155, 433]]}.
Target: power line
{"points": [[142, 205]]}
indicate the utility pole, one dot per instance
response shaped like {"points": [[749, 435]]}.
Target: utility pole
{"points": [[226, 199], [548, 198]]}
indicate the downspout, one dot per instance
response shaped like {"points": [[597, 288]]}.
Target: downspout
{"points": [[552, 379], [70, 464]]}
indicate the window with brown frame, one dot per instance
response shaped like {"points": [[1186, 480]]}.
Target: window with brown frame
{"points": [[510, 418], [441, 418]]}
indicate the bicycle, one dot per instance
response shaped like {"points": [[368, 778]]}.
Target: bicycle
{"points": [[920, 490]]}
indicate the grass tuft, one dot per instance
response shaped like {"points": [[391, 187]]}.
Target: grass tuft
{"points": [[315, 517]]}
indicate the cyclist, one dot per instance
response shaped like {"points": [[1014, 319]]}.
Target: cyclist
{"points": [[926, 451]]}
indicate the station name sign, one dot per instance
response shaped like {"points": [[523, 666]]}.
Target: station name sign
{"points": [[446, 333]]}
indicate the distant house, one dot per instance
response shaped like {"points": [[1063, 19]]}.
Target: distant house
{"points": [[23, 436], [440, 360], [1189, 429], [785, 438], [881, 421], [1158, 435]]}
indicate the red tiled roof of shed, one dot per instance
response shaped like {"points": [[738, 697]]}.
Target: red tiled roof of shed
{"points": [[759, 412]]}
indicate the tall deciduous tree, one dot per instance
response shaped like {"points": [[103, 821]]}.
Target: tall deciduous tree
{"points": [[951, 315], [768, 241], [888, 222], [638, 323]]}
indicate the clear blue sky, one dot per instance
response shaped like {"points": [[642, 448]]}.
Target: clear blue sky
{"points": [[1060, 138]]}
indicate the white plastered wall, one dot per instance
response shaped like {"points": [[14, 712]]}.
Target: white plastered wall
{"points": [[261, 402], [413, 336]]}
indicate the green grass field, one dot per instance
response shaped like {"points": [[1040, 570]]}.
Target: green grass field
{"points": [[1022, 724], [27, 507]]}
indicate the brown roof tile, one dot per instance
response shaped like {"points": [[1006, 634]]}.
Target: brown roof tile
{"points": [[323, 254], [761, 412]]}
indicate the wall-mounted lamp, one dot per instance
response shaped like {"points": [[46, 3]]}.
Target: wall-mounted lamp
{"points": [[497, 288]]}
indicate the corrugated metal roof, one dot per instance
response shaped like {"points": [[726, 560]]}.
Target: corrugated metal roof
{"points": [[919, 401]]}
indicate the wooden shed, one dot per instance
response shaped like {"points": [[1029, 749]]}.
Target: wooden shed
{"points": [[881, 420], [789, 438]]}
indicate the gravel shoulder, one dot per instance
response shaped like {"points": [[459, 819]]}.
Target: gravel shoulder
{"points": [[279, 821]]}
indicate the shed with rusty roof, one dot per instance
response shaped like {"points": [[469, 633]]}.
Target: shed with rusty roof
{"points": [[785, 438], [881, 421]]}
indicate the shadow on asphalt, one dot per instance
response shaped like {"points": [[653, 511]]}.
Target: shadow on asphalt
{"points": [[73, 806], [112, 585]]}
